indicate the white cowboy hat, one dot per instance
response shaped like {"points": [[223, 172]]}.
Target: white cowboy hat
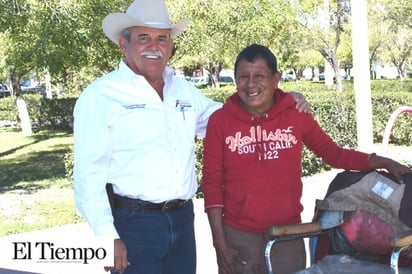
{"points": [[141, 13]]}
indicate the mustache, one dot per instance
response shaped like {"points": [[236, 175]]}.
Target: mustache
{"points": [[155, 53]]}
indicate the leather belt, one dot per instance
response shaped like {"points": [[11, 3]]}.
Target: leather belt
{"points": [[137, 204]]}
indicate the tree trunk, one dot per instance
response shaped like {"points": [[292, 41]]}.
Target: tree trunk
{"points": [[338, 80], [24, 116]]}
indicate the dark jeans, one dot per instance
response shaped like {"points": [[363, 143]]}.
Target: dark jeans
{"points": [[158, 242]]}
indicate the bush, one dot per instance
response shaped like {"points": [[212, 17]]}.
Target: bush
{"points": [[44, 113], [335, 112], [57, 113], [8, 110], [384, 104]]}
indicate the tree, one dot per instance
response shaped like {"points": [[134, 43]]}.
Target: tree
{"points": [[219, 30], [18, 61], [400, 12], [376, 35], [391, 33], [65, 37], [44, 36], [400, 49], [325, 25], [14, 22], [399, 33], [58, 37]]}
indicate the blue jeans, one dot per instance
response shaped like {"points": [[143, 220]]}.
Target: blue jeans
{"points": [[158, 242]]}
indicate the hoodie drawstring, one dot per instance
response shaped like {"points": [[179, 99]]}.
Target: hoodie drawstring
{"points": [[260, 151]]}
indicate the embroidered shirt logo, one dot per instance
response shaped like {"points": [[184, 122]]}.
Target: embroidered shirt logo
{"points": [[135, 106], [183, 104]]}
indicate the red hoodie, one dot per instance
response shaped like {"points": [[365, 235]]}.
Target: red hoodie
{"points": [[252, 166]]}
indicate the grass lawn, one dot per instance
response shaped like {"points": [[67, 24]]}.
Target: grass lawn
{"points": [[34, 192]]}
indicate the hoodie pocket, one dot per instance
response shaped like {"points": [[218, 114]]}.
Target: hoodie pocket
{"points": [[269, 209]]}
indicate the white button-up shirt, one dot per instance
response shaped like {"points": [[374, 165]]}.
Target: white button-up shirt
{"points": [[126, 135]]}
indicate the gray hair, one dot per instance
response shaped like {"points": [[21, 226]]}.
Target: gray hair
{"points": [[126, 33]]}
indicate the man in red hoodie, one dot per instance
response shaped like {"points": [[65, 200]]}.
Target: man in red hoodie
{"points": [[252, 167]]}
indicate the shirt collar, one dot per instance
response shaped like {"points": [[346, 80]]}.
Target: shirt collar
{"points": [[167, 73]]}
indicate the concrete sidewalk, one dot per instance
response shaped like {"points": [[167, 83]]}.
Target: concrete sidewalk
{"points": [[314, 187]]}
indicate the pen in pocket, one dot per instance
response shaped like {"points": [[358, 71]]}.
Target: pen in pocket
{"points": [[182, 109]]}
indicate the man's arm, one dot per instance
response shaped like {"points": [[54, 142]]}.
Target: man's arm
{"points": [[226, 255]]}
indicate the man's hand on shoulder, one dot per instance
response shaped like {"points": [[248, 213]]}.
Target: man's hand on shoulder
{"points": [[301, 104]]}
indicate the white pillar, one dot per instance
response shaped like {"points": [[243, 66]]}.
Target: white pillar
{"points": [[24, 116], [47, 83], [360, 48]]}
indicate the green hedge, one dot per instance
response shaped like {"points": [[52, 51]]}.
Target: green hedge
{"points": [[335, 112], [8, 109], [44, 113]]}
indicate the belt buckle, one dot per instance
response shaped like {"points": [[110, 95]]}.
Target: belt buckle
{"points": [[173, 205], [166, 205]]}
